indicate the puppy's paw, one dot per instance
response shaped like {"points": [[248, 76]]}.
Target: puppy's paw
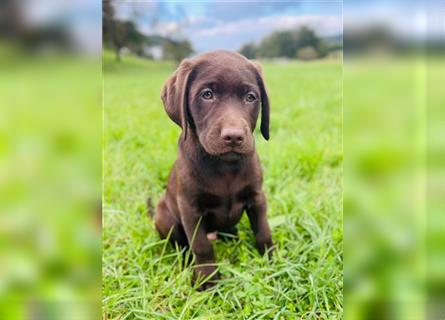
{"points": [[205, 277], [206, 285], [266, 247], [270, 250]]}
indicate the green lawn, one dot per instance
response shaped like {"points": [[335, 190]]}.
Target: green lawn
{"points": [[143, 277]]}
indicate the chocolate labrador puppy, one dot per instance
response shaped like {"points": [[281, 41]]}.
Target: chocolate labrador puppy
{"points": [[216, 99]]}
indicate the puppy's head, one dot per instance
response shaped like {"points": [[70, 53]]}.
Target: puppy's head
{"points": [[218, 95]]}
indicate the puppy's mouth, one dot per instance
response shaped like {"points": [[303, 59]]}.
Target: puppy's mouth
{"points": [[231, 156]]}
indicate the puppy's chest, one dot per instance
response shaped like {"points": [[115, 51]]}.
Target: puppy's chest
{"points": [[225, 206]]}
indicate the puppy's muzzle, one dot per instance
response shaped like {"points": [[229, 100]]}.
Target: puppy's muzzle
{"points": [[233, 137]]}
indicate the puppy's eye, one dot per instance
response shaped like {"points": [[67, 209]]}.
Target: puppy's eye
{"points": [[250, 97], [207, 94]]}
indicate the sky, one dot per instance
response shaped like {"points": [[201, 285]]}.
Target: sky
{"points": [[228, 25]]}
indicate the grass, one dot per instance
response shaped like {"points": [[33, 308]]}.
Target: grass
{"points": [[393, 200], [143, 277]]}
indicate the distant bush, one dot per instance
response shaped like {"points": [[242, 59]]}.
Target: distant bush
{"points": [[307, 53]]}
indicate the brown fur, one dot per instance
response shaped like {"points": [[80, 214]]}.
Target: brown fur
{"points": [[217, 174]]}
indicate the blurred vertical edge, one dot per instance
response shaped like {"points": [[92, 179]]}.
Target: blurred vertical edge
{"points": [[394, 144], [435, 161], [50, 159]]}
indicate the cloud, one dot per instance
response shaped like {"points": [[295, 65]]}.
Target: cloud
{"points": [[322, 25], [162, 28]]}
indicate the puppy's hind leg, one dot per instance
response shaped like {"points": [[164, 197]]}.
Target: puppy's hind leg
{"points": [[166, 223]]}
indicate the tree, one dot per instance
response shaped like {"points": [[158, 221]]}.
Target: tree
{"points": [[107, 23], [132, 38], [287, 44], [279, 44], [112, 29], [118, 34], [177, 50], [249, 50], [306, 38]]}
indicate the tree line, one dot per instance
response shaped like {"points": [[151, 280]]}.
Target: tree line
{"points": [[302, 44]]}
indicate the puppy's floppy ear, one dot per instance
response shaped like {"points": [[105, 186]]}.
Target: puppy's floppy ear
{"points": [[175, 95], [265, 107]]}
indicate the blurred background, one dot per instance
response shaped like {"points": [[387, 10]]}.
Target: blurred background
{"points": [[394, 160], [50, 159], [51, 124]]}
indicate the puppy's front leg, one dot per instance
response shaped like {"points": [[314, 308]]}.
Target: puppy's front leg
{"points": [[258, 221], [200, 245]]}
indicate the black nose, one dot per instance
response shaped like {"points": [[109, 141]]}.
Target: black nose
{"points": [[232, 136]]}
